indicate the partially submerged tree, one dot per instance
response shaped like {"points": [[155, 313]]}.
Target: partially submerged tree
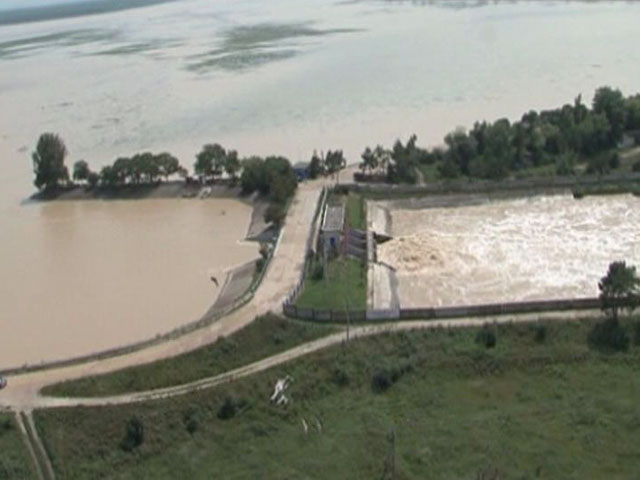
{"points": [[48, 162]]}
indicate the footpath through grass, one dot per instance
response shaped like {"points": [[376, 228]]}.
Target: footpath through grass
{"points": [[15, 462], [264, 337], [344, 284], [538, 405]]}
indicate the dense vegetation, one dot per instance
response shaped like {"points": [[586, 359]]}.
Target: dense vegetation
{"points": [[265, 336], [553, 141], [272, 177], [429, 404]]}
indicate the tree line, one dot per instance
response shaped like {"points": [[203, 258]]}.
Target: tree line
{"points": [[559, 138], [272, 177]]}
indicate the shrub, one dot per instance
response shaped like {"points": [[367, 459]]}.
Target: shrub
{"points": [[381, 381], [486, 337], [317, 273], [539, 333], [608, 335], [133, 435], [384, 377], [191, 421], [230, 407], [636, 166], [340, 377]]}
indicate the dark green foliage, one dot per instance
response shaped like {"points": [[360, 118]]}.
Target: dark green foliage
{"points": [[48, 162], [210, 162], [404, 159], [340, 376], [133, 435], [636, 166], [540, 333], [384, 377], [230, 408], [334, 161], [316, 166], [619, 289], [232, 164], [81, 170], [562, 138], [486, 337], [609, 336], [191, 421], [611, 104], [142, 168], [93, 179], [317, 271], [275, 213]]}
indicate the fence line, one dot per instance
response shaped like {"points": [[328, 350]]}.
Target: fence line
{"points": [[432, 313], [487, 186]]}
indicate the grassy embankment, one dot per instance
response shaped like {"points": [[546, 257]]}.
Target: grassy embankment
{"points": [[345, 281], [15, 461], [535, 406], [266, 336]]}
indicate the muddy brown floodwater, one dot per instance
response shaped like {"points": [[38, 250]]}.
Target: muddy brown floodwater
{"points": [[92, 275], [544, 247]]}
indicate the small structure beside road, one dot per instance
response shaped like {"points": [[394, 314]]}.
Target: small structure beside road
{"points": [[332, 228]]}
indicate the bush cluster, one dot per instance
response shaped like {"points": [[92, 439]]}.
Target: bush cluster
{"points": [[609, 335]]}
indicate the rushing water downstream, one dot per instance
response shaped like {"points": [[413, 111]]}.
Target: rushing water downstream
{"points": [[278, 76], [545, 247]]}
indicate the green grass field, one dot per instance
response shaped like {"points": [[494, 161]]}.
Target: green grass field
{"points": [[355, 211], [345, 283], [266, 336], [529, 408], [15, 462]]}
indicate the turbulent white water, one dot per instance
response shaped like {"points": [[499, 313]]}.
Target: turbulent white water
{"points": [[536, 248], [277, 76]]}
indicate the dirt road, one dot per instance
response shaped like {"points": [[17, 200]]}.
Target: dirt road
{"points": [[35, 401]]}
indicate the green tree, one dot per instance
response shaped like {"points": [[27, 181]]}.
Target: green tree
{"points": [[48, 162], [316, 166], [133, 435], [619, 289], [109, 177], [167, 164], [611, 103], [334, 161], [81, 171], [369, 160], [210, 162], [232, 164]]}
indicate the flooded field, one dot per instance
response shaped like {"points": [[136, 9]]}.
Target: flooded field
{"points": [[80, 277], [544, 247]]}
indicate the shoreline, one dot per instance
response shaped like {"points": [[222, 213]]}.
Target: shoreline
{"points": [[165, 190]]}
